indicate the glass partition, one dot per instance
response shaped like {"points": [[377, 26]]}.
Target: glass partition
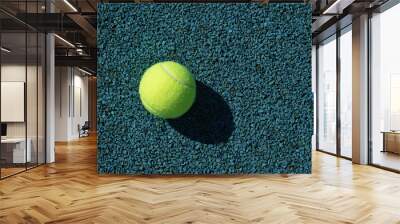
{"points": [[14, 153], [327, 95], [385, 89], [22, 77], [346, 92]]}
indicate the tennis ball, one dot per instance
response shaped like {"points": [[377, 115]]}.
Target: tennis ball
{"points": [[167, 90]]}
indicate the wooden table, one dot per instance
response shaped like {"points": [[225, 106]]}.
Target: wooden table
{"points": [[391, 141], [13, 150]]}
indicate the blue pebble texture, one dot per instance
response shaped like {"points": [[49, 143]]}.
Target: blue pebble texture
{"points": [[253, 112]]}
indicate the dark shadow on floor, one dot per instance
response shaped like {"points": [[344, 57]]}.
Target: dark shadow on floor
{"points": [[210, 119]]}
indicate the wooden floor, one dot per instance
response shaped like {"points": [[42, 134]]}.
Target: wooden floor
{"points": [[70, 191], [5, 172], [9, 171], [386, 159]]}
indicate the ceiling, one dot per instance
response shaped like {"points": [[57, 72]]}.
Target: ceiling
{"points": [[75, 22]]}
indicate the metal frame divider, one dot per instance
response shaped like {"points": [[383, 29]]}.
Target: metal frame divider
{"points": [[0, 93], [316, 97], [338, 76], [369, 77], [26, 86]]}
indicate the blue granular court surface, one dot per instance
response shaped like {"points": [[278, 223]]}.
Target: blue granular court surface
{"points": [[254, 107]]}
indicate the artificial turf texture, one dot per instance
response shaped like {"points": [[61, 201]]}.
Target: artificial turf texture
{"points": [[254, 107]]}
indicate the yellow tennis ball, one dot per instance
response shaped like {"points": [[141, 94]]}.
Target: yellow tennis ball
{"points": [[167, 90]]}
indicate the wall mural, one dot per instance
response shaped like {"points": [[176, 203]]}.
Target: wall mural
{"points": [[217, 88]]}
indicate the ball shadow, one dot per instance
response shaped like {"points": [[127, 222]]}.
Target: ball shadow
{"points": [[209, 120]]}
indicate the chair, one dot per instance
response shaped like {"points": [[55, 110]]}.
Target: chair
{"points": [[84, 130]]}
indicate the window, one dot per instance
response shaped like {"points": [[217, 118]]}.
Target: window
{"points": [[385, 89], [346, 92], [327, 95]]}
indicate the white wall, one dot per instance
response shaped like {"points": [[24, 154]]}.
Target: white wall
{"points": [[13, 72], [9, 73], [33, 127], [80, 105], [71, 102], [17, 73], [62, 82]]}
